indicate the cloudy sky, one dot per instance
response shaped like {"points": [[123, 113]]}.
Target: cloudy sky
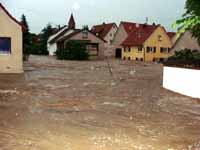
{"points": [[89, 12]]}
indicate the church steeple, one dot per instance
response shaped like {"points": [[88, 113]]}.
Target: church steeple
{"points": [[71, 23]]}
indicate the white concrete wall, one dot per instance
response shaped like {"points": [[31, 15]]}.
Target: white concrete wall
{"points": [[183, 81]]}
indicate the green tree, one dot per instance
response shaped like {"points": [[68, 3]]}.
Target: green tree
{"points": [[44, 35], [190, 19], [74, 50], [26, 36]]}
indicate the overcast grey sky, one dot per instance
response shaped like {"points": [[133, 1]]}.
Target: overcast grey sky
{"points": [[89, 12]]}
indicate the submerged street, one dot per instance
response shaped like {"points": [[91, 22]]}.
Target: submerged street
{"points": [[69, 105]]}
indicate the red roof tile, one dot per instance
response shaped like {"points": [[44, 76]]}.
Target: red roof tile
{"points": [[137, 33], [11, 17], [103, 29], [171, 34]]}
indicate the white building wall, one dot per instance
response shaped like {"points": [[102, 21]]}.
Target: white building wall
{"points": [[52, 49], [183, 81], [110, 36]]}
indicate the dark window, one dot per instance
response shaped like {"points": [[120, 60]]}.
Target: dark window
{"points": [[154, 49], [140, 49], [150, 49], [127, 49], [164, 50], [129, 58], [5, 45]]}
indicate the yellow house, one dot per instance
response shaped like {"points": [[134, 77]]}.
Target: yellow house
{"points": [[147, 43], [10, 43]]}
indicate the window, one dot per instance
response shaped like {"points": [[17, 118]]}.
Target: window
{"points": [[111, 35], [140, 49], [159, 38], [5, 45], [85, 34], [150, 49], [127, 49], [154, 49], [164, 50]]}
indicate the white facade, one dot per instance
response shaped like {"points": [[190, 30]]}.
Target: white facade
{"points": [[183, 81], [110, 36]]}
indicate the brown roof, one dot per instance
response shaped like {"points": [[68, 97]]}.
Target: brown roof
{"points": [[76, 32], [103, 29], [11, 17], [59, 35], [137, 33], [171, 34]]}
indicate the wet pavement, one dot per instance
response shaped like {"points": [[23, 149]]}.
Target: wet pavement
{"points": [[69, 105]]}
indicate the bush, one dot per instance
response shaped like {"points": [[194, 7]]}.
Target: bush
{"points": [[185, 58], [74, 50]]}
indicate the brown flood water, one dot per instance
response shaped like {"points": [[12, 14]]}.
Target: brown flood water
{"points": [[63, 105]]}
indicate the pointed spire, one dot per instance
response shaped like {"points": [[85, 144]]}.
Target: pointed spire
{"points": [[71, 23]]}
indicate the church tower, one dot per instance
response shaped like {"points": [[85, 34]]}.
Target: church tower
{"points": [[71, 23]]}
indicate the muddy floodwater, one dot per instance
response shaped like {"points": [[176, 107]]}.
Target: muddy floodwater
{"points": [[66, 105]]}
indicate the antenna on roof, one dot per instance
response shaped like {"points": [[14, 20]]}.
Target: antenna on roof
{"points": [[147, 20]]}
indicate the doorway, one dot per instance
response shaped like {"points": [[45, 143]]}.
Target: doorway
{"points": [[118, 53]]}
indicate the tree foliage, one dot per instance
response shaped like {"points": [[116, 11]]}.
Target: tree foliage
{"points": [[74, 50], [26, 36], [184, 58], [39, 47], [190, 19], [44, 35]]}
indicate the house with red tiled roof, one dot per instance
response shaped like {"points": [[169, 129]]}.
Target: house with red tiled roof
{"points": [[105, 31], [145, 42], [124, 29], [11, 32], [134, 41]]}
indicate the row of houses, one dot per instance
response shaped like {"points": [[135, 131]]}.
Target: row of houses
{"points": [[129, 41]]}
